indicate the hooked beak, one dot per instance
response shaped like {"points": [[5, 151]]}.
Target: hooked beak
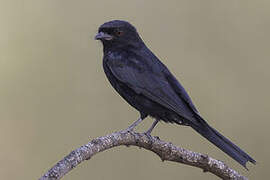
{"points": [[103, 36]]}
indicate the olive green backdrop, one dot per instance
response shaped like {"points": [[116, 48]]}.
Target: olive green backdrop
{"points": [[54, 96]]}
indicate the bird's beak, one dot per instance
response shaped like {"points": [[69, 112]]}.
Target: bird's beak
{"points": [[103, 36]]}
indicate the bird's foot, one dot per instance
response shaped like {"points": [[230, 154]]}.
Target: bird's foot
{"points": [[148, 134], [132, 126], [129, 129]]}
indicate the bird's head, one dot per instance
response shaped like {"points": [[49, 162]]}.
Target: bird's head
{"points": [[118, 34]]}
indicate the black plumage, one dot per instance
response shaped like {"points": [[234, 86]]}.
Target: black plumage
{"points": [[147, 85]]}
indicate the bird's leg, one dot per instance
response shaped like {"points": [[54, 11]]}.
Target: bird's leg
{"points": [[133, 125], [148, 132]]}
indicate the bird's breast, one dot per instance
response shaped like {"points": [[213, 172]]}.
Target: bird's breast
{"points": [[115, 60], [113, 55]]}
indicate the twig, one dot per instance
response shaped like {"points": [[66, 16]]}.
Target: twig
{"points": [[166, 151]]}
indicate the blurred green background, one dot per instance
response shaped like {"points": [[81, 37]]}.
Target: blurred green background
{"points": [[54, 96]]}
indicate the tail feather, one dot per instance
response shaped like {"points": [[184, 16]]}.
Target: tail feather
{"points": [[223, 143]]}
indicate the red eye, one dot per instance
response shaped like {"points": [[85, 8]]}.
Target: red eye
{"points": [[120, 33]]}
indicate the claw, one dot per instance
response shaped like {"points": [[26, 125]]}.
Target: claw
{"points": [[148, 135]]}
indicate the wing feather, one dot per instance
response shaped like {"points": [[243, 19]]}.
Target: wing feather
{"points": [[153, 85]]}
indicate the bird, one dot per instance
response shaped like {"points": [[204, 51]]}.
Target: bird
{"points": [[147, 85]]}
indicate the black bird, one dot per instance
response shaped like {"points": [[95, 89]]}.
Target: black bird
{"points": [[147, 85]]}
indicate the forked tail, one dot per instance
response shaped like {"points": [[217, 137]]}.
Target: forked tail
{"points": [[223, 143]]}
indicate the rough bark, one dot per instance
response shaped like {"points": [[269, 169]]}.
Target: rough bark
{"points": [[165, 150]]}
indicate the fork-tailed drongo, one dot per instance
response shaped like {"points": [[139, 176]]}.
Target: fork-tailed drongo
{"points": [[147, 85]]}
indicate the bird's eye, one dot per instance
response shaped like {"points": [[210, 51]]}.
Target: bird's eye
{"points": [[119, 33]]}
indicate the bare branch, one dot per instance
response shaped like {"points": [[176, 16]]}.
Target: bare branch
{"points": [[166, 151]]}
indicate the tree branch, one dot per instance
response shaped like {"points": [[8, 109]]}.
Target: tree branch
{"points": [[166, 151]]}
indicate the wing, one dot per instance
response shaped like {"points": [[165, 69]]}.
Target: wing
{"points": [[151, 82], [178, 88]]}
